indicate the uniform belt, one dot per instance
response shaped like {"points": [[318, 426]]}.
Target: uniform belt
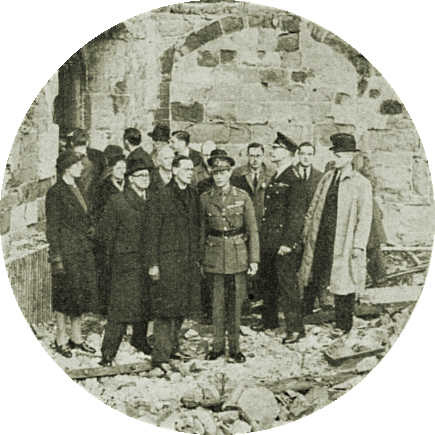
{"points": [[215, 233]]}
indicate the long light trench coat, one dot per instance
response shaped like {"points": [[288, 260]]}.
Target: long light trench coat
{"points": [[354, 216]]}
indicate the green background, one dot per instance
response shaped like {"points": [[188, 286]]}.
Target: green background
{"points": [[38, 37]]}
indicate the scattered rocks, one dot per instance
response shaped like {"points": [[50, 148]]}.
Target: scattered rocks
{"points": [[367, 364], [300, 406], [240, 426]]}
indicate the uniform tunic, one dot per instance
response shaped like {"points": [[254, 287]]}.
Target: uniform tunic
{"points": [[230, 243]]}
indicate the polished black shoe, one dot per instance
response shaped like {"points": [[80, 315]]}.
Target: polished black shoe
{"points": [[106, 362], [64, 350], [238, 357], [293, 337], [211, 356], [258, 328], [82, 346]]}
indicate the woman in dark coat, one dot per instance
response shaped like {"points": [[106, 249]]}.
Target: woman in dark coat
{"points": [[121, 235], [74, 289], [112, 184]]}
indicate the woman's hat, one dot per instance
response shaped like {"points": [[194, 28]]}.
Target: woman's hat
{"points": [[134, 165], [114, 154], [220, 161], [66, 159]]}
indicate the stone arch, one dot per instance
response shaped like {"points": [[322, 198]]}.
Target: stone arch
{"points": [[287, 43]]}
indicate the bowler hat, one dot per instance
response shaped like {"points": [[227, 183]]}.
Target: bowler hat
{"points": [[160, 133], [343, 142], [66, 159], [221, 156], [134, 165], [114, 153], [285, 142]]}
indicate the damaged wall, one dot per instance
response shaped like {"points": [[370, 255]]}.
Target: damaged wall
{"points": [[237, 73]]}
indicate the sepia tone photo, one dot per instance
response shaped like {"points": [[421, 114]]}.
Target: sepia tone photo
{"points": [[217, 217]]}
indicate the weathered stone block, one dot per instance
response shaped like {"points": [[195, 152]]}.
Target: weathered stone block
{"points": [[41, 209], [164, 92], [343, 99], [255, 92], [336, 43], [231, 24], [301, 114], [5, 221], [44, 185], [167, 61], [393, 179], [297, 93], [10, 199], [31, 213], [225, 92], [191, 113], [260, 20], [321, 95], [252, 113], [400, 123], [273, 76], [386, 158], [288, 43], [299, 76], [374, 93], [228, 57], [291, 60], [174, 27], [391, 107], [220, 111], [17, 220], [263, 134], [421, 182], [208, 58], [361, 64], [239, 134], [161, 116], [290, 23], [390, 140], [218, 133], [362, 87], [195, 39], [269, 59], [317, 32], [320, 111]]}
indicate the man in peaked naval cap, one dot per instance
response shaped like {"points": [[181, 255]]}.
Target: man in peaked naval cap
{"points": [[281, 242], [337, 230], [229, 239]]}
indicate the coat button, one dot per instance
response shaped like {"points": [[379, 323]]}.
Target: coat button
{"points": [[268, 196]]}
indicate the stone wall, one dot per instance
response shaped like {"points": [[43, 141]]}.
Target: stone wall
{"points": [[237, 73]]}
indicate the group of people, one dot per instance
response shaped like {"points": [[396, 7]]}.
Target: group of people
{"points": [[179, 233]]}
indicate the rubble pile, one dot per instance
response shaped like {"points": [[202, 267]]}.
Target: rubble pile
{"points": [[277, 384]]}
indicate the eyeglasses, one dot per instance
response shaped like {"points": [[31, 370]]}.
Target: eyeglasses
{"points": [[141, 176]]}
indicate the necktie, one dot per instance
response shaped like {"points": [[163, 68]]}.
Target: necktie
{"points": [[305, 174], [337, 176], [255, 181]]}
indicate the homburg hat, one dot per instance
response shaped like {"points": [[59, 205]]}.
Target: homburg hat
{"points": [[343, 142], [160, 133]]}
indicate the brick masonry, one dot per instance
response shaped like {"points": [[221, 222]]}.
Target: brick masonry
{"points": [[232, 73]]}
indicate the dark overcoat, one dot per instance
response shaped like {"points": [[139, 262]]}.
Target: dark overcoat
{"points": [[103, 192], [242, 179], [67, 230], [173, 246], [310, 185], [121, 233], [284, 210]]}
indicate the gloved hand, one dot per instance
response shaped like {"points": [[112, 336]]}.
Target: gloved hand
{"points": [[57, 268]]}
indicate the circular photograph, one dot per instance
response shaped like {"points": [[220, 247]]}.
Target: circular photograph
{"points": [[217, 217]]}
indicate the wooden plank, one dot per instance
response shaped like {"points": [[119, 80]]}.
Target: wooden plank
{"points": [[391, 295], [97, 372], [406, 248]]}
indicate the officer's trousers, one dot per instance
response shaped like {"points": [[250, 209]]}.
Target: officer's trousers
{"points": [[166, 335], [279, 278], [229, 292], [115, 331]]}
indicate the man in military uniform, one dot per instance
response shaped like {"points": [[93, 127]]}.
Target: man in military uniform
{"points": [[229, 238], [281, 235]]}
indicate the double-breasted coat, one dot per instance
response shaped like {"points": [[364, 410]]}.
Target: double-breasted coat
{"points": [[354, 217], [68, 226], [235, 213], [121, 232], [173, 246], [284, 211]]}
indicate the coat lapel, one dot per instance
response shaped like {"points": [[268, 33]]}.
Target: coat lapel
{"points": [[72, 199]]}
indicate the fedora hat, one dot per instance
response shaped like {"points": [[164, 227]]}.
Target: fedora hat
{"points": [[343, 142], [160, 133]]}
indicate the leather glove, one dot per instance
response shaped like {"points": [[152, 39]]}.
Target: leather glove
{"points": [[57, 268]]}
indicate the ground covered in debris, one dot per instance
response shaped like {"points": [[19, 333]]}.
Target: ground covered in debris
{"points": [[277, 383]]}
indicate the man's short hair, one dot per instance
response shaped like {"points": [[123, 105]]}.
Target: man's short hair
{"points": [[307, 144], [255, 145], [161, 149], [178, 159], [77, 138], [182, 135], [133, 136]]}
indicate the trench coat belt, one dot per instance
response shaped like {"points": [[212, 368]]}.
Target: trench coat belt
{"points": [[225, 234]]}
